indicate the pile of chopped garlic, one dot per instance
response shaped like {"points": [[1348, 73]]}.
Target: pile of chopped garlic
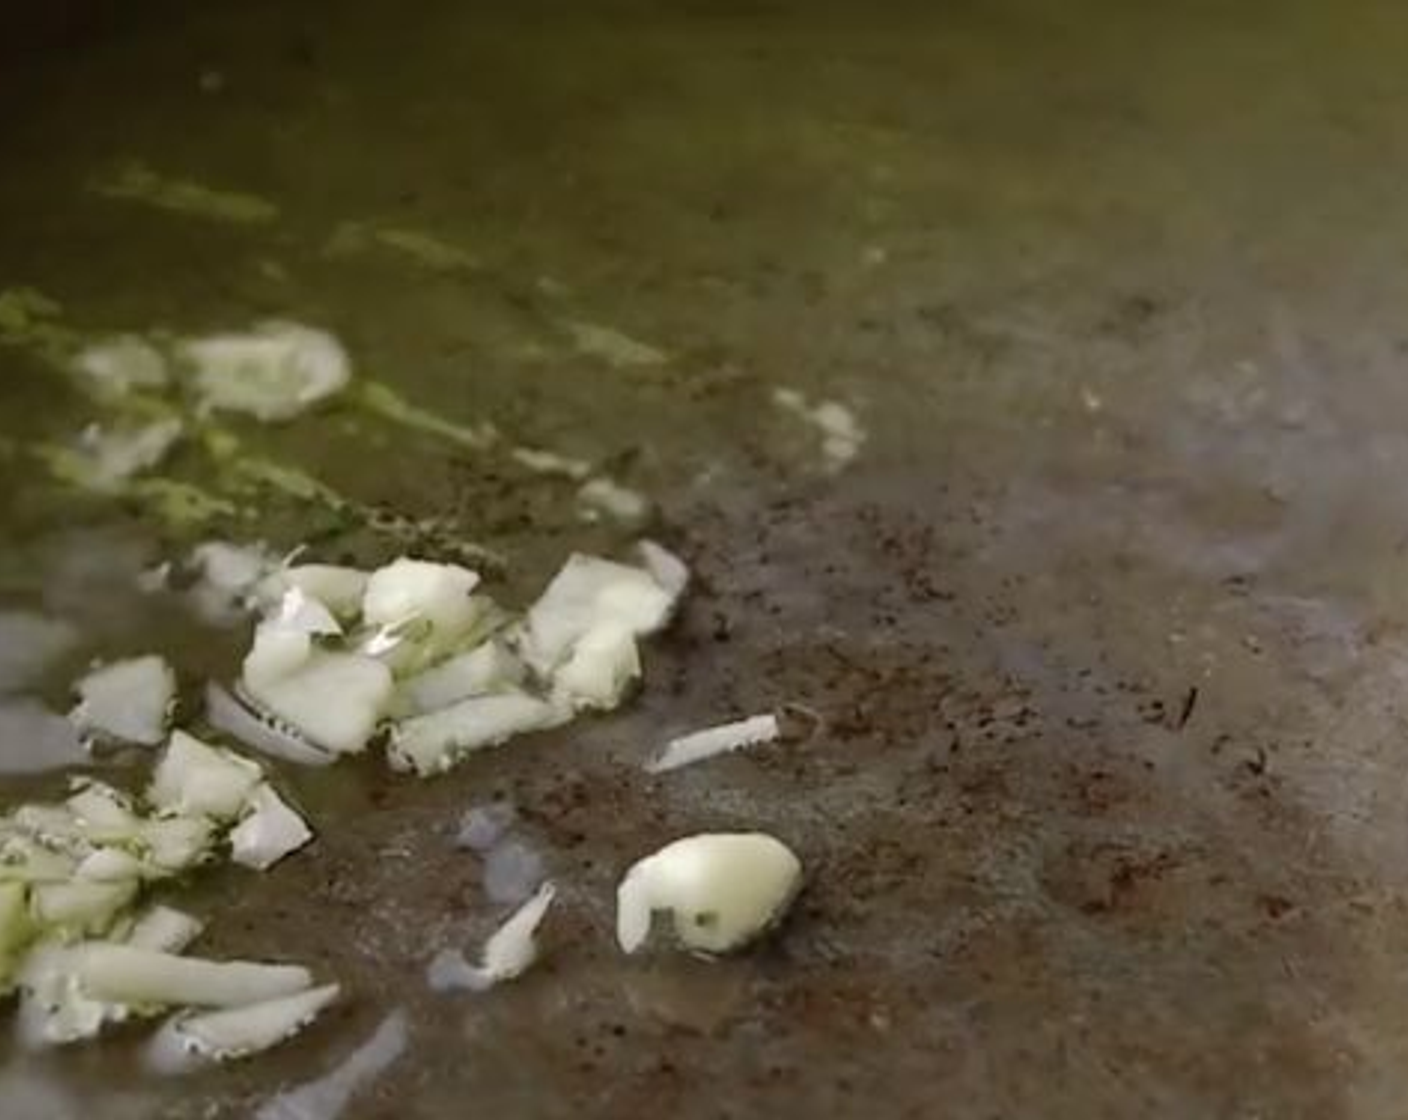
{"points": [[419, 654], [84, 947], [414, 655]]}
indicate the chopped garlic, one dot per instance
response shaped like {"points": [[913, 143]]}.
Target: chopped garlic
{"points": [[409, 589], [488, 667], [104, 458], [667, 569], [187, 1041], [174, 844], [25, 860], [277, 653], [337, 588], [271, 831], [381, 400], [600, 497], [507, 954], [513, 947], [196, 779], [54, 826], [300, 612], [164, 930], [259, 731], [134, 181], [602, 665], [80, 907], [235, 568], [721, 889], [117, 366], [272, 372], [589, 591], [332, 699], [834, 423], [109, 865], [612, 346], [70, 992], [54, 1007], [226, 576], [711, 741], [550, 463], [398, 646], [123, 974], [127, 700], [433, 743], [104, 815]]}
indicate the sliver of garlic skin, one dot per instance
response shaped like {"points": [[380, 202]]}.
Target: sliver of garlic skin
{"points": [[722, 890]]}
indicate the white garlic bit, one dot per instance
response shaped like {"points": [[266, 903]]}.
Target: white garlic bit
{"points": [[226, 576], [333, 700], [667, 569], [116, 367], [605, 497], [302, 613], [431, 744], [602, 666], [586, 593], [338, 588], [259, 731], [507, 954], [834, 423], [190, 1040], [127, 700], [723, 738], [721, 889], [272, 372], [194, 779], [488, 667], [105, 457], [164, 929], [416, 589], [118, 973], [272, 830]]}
